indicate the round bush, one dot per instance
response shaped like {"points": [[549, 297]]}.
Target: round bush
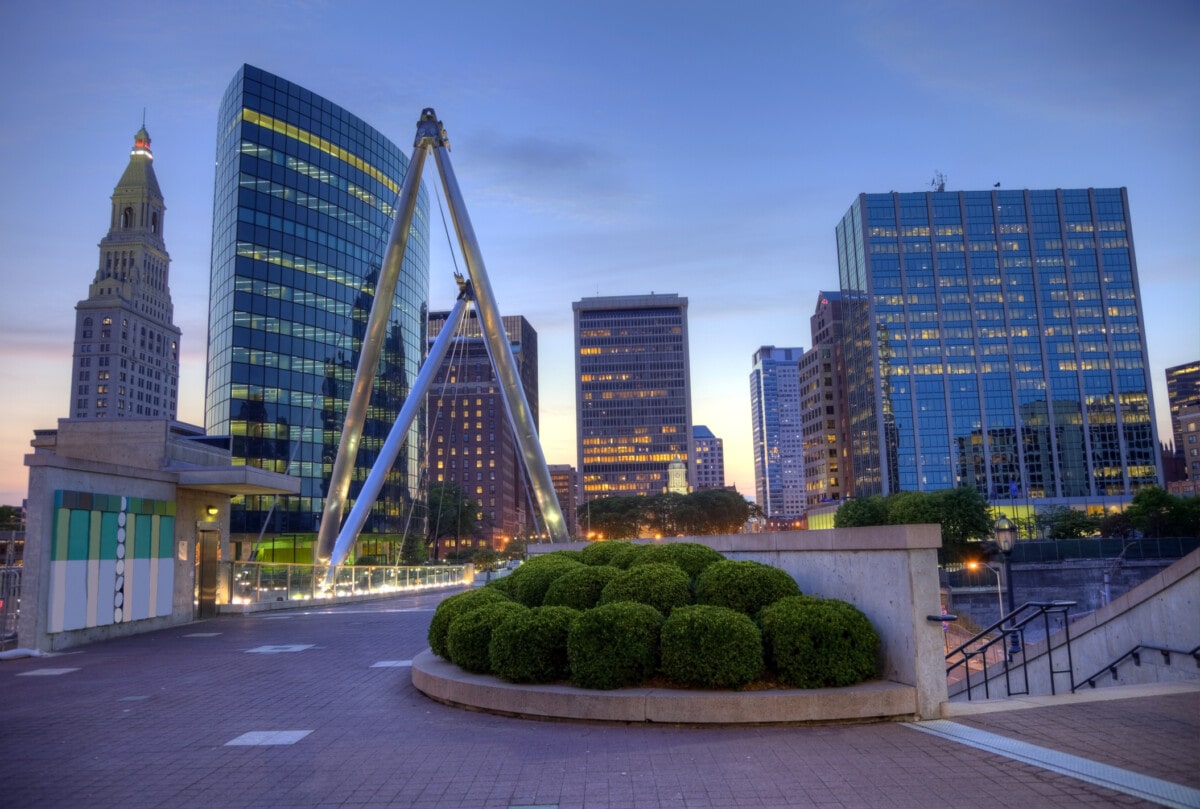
{"points": [[614, 645], [531, 647], [470, 634], [711, 647], [450, 608], [819, 643], [690, 557], [602, 552], [662, 586], [744, 586], [529, 582], [625, 554], [580, 589]]}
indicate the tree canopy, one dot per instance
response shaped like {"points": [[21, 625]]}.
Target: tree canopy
{"points": [[709, 511], [962, 513]]}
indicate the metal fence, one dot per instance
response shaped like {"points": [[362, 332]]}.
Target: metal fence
{"points": [[254, 582], [1053, 550], [10, 604]]}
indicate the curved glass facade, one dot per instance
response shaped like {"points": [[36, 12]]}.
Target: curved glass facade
{"points": [[302, 209], [1000, 343]]}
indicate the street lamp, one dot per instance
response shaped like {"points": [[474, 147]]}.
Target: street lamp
{"points": [[1005, 533], [999, 589]]}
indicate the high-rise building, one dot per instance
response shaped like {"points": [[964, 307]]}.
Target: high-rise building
{"points": [[126, 359], [566, 487], [633, 397], [471, 441], [995, 339], [710, 458], [1183, 391], [823, 407], [776, 426], [302, 210]]}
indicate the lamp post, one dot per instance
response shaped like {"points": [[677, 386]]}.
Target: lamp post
{"points": [[1006, 535], [999, 589]]}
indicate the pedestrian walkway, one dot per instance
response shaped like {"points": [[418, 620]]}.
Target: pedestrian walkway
{"points": [[315, 708]]}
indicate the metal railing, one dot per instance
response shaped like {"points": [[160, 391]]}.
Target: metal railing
{"points": [[10, 604], [1135, 654], [255, 582], [1007, 637]]}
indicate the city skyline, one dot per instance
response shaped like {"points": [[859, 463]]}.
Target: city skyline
{"points": [[590, 147]]}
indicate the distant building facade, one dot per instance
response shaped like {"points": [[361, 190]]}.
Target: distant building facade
{"points": [[823, 407], [1183, 391], [302, 212], [1189, 425], [776, 427], [126, 357], [995, 339], [471, 441], [633, 398], [710, 458], [566, 488]]}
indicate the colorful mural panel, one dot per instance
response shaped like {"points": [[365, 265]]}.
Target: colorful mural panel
{"points": [[111, 560]]}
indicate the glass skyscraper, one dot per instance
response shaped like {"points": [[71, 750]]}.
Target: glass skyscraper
{"points": [[633, 395], [777, 431], [302, 210], [995, 339]]}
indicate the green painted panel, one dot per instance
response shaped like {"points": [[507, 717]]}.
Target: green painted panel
{"points": [[142, 538], [108, 535], [77, 539], [166, 537]]}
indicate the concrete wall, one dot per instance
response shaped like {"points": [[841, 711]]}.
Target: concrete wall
{"points": [[1162, 611], [887, 572]]}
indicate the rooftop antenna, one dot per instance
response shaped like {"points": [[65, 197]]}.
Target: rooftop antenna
{"points": [[938, 183]]}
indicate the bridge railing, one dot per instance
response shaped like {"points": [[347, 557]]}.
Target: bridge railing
{"points": [[254, 582]]}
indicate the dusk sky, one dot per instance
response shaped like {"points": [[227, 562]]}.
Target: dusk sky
{"points": [[605, 148]]}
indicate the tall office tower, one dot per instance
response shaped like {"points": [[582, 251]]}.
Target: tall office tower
{"points": [[823, 406], [471, 440], [995, 339], [302, 211], [126, 360], [566, 487], [778, 440], [633, 395], [710, 458], [1183, 391]]}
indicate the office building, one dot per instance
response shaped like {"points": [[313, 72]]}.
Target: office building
{"points": [[566, 488], [710, 458], [302, 210], [126, 357], [471, 441], [823, 407], [776, 427], [1183, 391], [633, 399], [995, 339]]}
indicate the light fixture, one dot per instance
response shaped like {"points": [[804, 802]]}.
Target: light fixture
{"points": [[213, 511]]}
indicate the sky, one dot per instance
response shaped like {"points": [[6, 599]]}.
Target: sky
{"points": [[604, 148]]}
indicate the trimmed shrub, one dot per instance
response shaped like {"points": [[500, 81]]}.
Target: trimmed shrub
{"points": [[470, 635], [744, 586], [711, 647], [531, 646], [662, 586], [625, 554], [690, 557], [614, 645], [602, 552], [819, 643], [580, 588], [529, 582], [450, 608]]}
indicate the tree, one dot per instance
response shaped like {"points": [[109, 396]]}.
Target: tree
{"points": [[1157, 513], [451, 513], [858, 512], [11, 518], [413, 550], [612, 517], [716, 511], [1062, 522]]}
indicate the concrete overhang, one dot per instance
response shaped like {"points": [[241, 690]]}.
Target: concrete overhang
{"points": [[231, 480]]}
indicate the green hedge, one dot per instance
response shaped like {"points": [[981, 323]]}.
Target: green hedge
{"points": [[580, 589], [690, 557], [450, 608], [819, 643], [662, 586], [744, 586], [529, 582], [614, 645], [602, 552], [470, 635], [531, 646], [711, 647]]}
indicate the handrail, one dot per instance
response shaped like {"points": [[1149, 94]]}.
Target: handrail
{"points": [[1011, 629], [1136, 655]]}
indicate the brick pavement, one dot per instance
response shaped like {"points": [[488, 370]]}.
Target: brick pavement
{"points": [[147, 722]]}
